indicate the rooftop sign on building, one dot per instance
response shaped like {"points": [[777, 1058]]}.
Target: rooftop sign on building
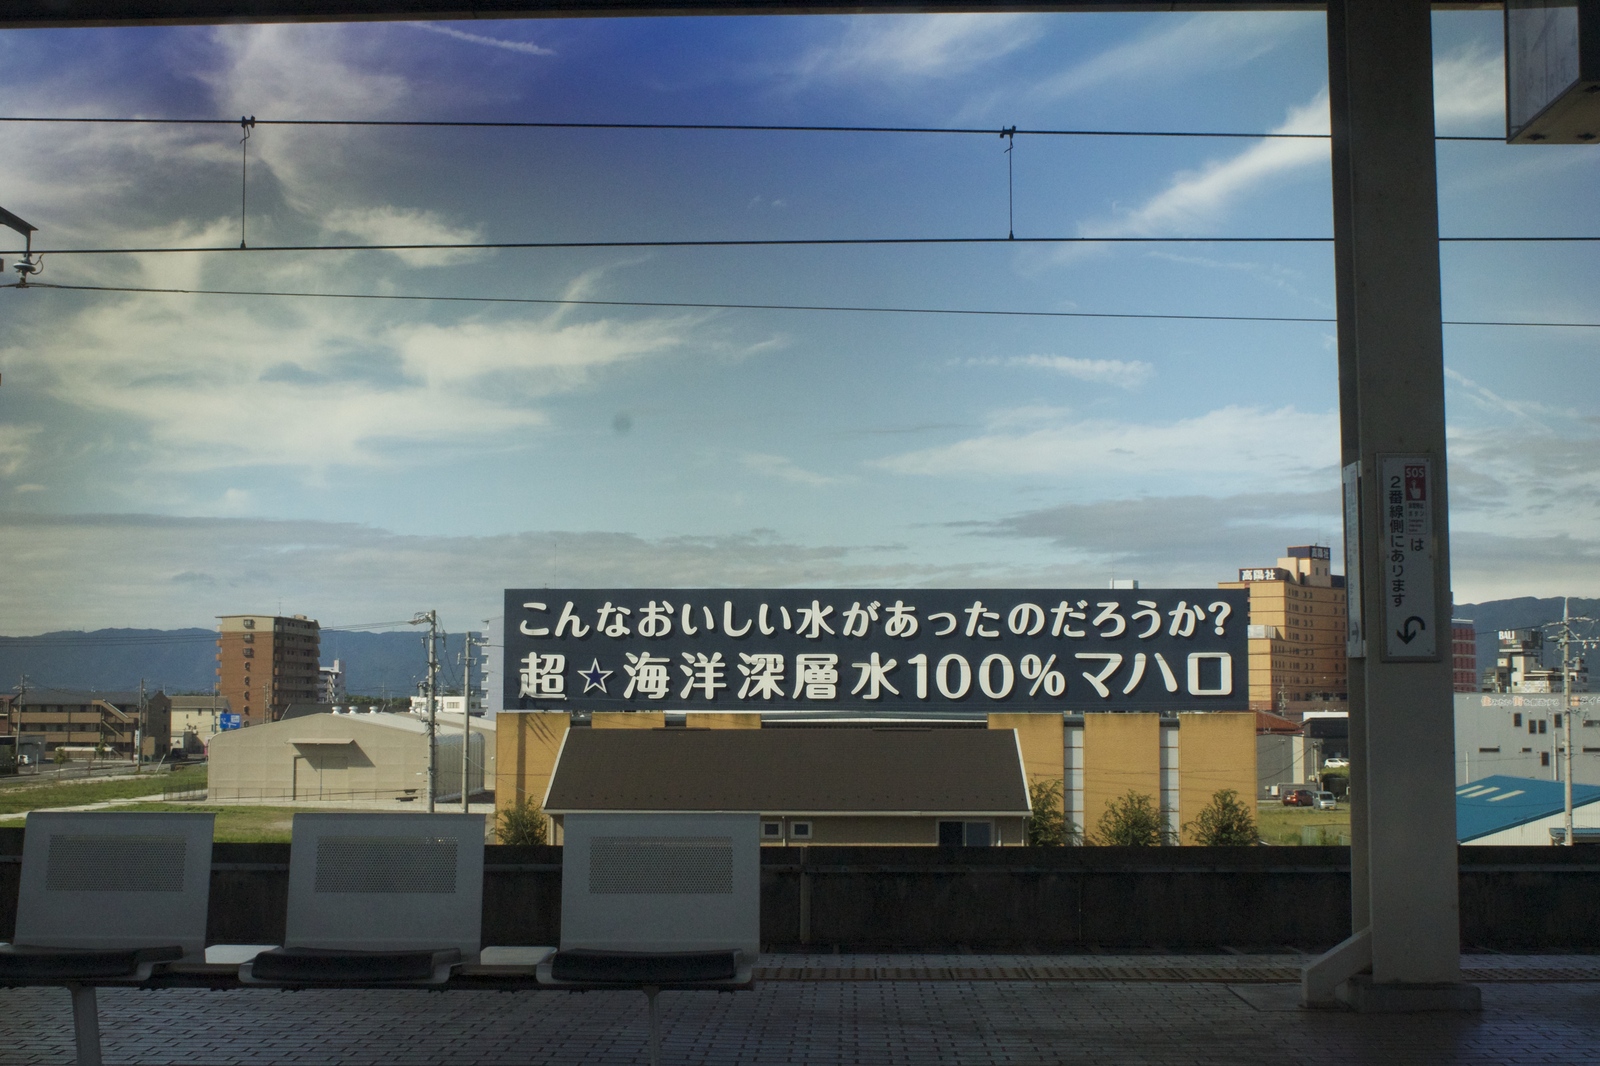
{"points": [[1011, 649]]}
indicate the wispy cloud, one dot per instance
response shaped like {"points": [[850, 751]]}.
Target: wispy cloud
{"points": [[1124, 374], [919, 46], [784, 469], [14, 442], [1469, 88], [387, 224], [1178, 47], [527, 48], [1223, 449], [1198, 198]]}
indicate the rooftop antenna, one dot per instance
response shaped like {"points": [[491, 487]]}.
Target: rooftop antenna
{"points": [[29, 265]]}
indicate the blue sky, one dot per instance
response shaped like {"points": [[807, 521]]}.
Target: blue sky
{"points": [[164, 458]]}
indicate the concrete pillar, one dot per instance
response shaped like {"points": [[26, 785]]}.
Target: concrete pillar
{"points": [[1391, 396]]}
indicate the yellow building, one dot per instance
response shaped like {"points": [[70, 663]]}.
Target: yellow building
{"points": [[1179, 761], [1297, 632]]}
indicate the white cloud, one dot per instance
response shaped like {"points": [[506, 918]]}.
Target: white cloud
{"points": [[1468, 88], [88, 571], [919, 46], [1201, 42], [524, 47], [394, 225], [1198, 198], [218, 384], [1229, 449], [1124, 374], [14, 448], [784, 469]]}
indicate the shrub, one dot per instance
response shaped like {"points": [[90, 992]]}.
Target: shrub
{"points": [[1225, 822], [1047, 826], [1130, 821], [522, 823]]}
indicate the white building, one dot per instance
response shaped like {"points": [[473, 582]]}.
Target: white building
{"points": [[330, 683], [1524, 735], [446, 705]]}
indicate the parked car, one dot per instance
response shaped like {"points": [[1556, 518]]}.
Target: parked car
{"points": [[1337, 763], [1297, 797], [1324, 801]]}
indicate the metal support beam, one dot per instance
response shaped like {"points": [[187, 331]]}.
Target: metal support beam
{"points": [[1391, 396]]}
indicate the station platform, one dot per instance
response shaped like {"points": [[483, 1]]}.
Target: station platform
{"points": [[823, 1009]]}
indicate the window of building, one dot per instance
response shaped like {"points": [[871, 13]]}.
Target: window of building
{"points": [[1544, 758], [1487, 751], [979, 834], [1557, 721], [1527, 751], [1516, 720], [1543, 725], [800, 830], [249, 623], [771, 830], [1533, 727]]}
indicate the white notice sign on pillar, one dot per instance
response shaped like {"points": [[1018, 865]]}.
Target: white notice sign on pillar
{"points": [[1405, 493]]}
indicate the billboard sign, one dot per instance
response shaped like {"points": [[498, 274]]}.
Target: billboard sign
{"points": [[865, 649]]}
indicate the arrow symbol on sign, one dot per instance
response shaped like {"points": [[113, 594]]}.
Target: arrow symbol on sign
{"points": [[1408, 632]]}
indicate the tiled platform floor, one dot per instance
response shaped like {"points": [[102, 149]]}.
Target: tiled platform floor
{"points": [[827, 1010]]}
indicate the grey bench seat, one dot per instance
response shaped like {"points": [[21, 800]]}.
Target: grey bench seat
{"points": [[631, 969], [337, 967], [37, 964]]}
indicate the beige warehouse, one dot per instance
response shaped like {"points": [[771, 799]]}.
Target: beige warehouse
{"points": [[359, 758]]}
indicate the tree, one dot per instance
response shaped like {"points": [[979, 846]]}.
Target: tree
{"points": [[1047, 825], [522, 823], [1225, 822], [1130, 821]]}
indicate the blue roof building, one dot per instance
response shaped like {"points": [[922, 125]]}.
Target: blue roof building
{"points": [[1521, 810]]}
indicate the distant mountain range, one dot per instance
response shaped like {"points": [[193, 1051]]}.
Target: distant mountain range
{"points": [[1522, 613], [378, 664], [184, 660]]}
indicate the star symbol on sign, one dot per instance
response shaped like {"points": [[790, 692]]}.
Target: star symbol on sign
{"points": [[594, 677]]}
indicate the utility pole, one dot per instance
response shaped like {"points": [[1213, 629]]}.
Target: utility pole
{"points": [[138, 729], [432, 684], [1566, 718], [466, 716]]}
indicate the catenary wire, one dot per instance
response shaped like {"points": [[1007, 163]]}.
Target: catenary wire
{"points": [[709, 306], [763, 242], [699, 126]]}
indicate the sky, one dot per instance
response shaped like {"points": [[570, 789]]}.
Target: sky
{"points": [[168, 458]]}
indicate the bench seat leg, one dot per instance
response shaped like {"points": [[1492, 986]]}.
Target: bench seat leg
{"points": [[650, 993], [85, 1024]]}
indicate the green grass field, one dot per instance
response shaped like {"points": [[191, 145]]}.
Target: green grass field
{"points": [[1284, 825], [235, 825], [15, 800]]}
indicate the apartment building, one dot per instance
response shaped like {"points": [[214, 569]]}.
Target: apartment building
{"points": [[1297, 632], [266, 662]]}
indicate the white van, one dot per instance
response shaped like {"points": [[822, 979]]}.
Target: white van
{"points": [[1323, 801]]}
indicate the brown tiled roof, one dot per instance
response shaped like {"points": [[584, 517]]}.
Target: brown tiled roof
{"points": [[800, 771]]}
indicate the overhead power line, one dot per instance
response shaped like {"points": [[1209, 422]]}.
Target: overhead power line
{"points": [[729, 127], [766, 242], [724, 306]]}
